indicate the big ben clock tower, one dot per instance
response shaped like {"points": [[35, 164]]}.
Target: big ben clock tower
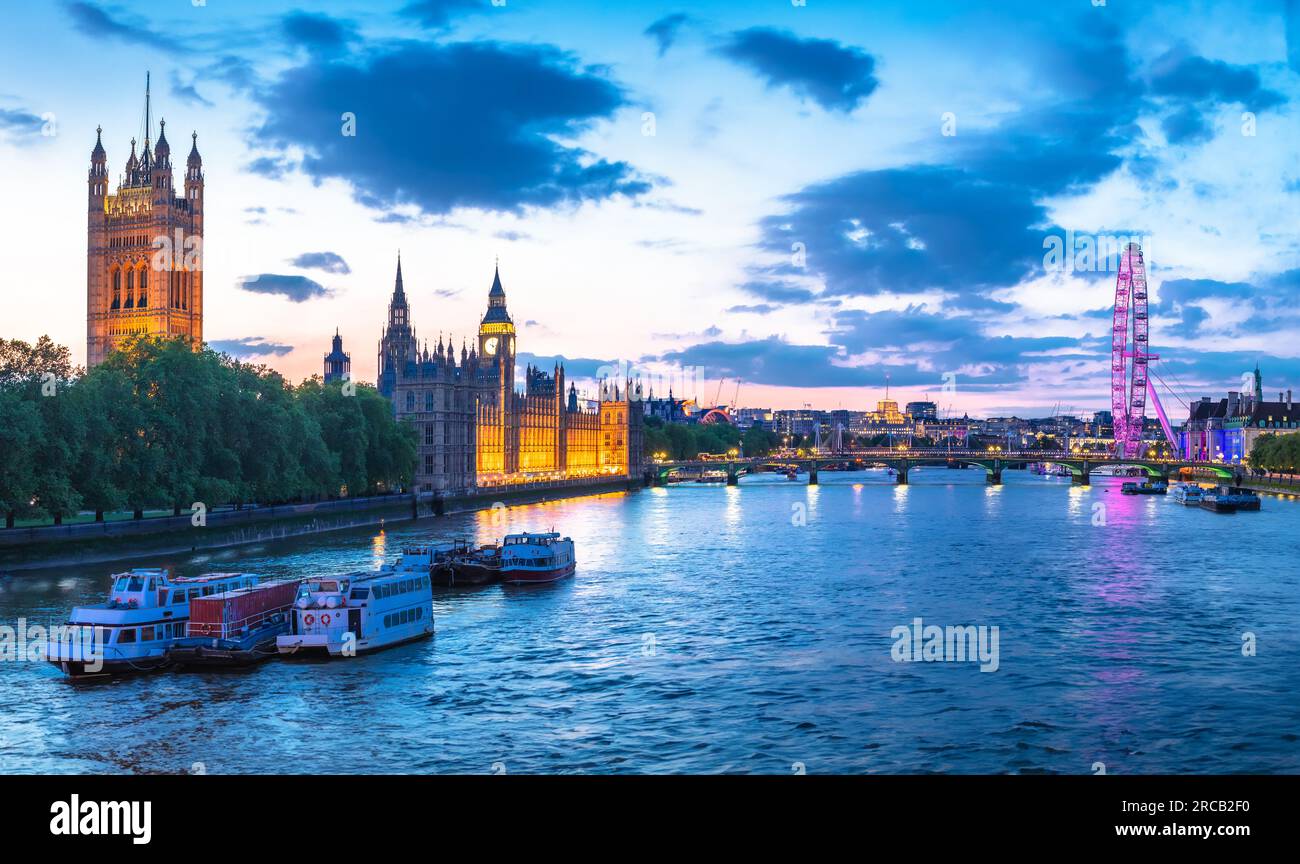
{"points": [[496, 338]]}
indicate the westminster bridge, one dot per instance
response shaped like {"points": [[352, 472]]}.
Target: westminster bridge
{"points": [[1080, 465]]}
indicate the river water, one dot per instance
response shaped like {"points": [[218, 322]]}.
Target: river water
{"points": [[747, 629]]}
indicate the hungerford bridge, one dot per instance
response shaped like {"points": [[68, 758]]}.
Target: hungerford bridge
{"points": [[1081, 465]]}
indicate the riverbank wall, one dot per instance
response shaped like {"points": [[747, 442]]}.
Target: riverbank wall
{"points": [[102, 542]]}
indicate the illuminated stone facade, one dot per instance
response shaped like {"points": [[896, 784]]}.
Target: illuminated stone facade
{"points": [[475, 429], [143, 248]]}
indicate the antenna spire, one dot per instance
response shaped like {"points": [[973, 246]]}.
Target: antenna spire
{"points": [[148, 119]]}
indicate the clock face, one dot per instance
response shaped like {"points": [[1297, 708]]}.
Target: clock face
{"points": [[490, 346]]}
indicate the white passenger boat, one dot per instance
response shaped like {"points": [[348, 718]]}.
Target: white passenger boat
{"points": [[1190, 494], [529, 558], [359, 612], [145, 614]]}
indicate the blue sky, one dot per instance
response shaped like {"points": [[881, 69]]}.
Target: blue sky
{"points": [[808, 199]]}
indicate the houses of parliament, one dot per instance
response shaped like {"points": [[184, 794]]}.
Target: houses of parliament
{"points": [[143, 246], [475, 429], [144, 276]]}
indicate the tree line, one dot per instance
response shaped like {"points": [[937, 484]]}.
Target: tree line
{"points": [[687, 440], [1276, 453], [158, 424]]}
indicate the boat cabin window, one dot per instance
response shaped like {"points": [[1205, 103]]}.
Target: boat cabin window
{"points": [[146, 634], [122, 582], [135, 583], [208, 589], [323, 586], [360, 593], [178, 597], [127, 636], [153, 586]]}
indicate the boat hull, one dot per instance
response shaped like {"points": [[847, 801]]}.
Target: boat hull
{"points": [[467, 573], [307, 645], [198, 652], [77, 669], [525, 576]]}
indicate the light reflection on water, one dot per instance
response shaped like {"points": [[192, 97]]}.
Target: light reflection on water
{"points": [[708, 630]]}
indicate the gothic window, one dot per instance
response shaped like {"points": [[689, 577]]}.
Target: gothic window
{"points": [[117, 288], [144, 288], [428, 400], [410, 400], [428, 433], [130, 290]]}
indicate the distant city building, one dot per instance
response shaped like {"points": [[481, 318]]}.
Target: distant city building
{"points": [[747, 418], [338, 365], [1225, 430], [666, 408], [475, 429], [922, 410], [144, 247]]}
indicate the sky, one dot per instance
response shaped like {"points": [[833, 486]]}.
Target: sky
{"points": [[771, 203]]}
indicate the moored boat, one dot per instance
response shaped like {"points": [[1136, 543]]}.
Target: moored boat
{"points": [[235, 628], [347, 615], [479, 566], [429, 559], [535, 558], [1159, 487], [1190, 494], [146, 612], [1230, 499]]}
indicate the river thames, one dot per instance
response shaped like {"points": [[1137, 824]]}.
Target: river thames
{"points": [[748, 630]]}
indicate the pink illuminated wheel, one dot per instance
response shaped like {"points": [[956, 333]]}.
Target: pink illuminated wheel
{"points": [[1129, 359]]}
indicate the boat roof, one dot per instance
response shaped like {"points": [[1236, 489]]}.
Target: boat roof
{"points": [[213, 577], [526, 536], [362, 576]]}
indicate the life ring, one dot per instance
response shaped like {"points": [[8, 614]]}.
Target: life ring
{"points": [[309, 620], [325, 620]]}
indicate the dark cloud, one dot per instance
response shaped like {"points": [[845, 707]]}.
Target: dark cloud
{"points": [[249, 346], [906, 230], [508, 104], [974, 225], [665, 30], [835, 76], [778, 291], [1194, 87], [295, 288], [95, 22], [574, 367], [318, 33], [1293, 34], [1186, 125], [330, 262], [271, 167], [1181, 75], [186, 92], [913, 347], [20, 126], [438, 14], [235, 72]]}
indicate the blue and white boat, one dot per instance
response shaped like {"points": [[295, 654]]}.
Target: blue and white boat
{"points": [[145, 614], [346, 615], [1190, 494]]}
